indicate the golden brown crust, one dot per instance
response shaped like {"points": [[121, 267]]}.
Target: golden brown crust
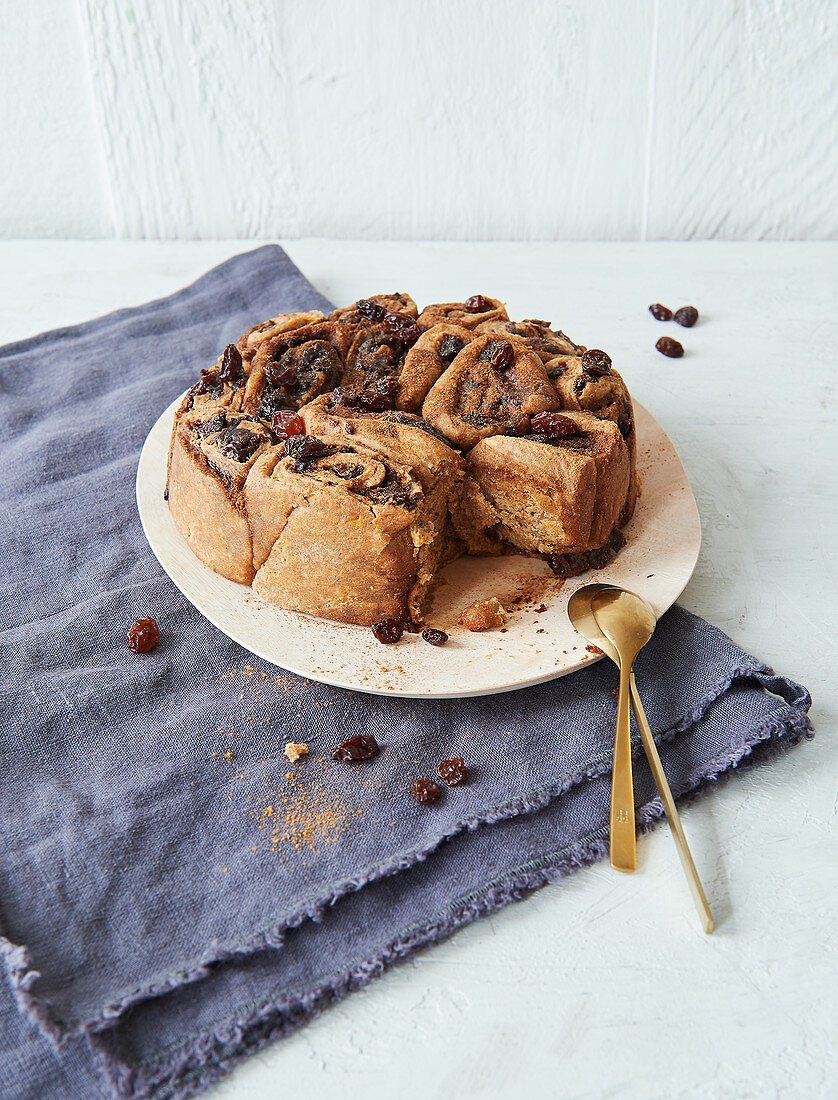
{"points": [[474, 398]]}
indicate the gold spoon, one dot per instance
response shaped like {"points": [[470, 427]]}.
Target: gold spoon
{"points": [[583, 619]]}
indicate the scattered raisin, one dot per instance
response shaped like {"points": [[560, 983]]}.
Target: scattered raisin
{"points": [[596, 362], [426, 791], [453, 772], [667, 346], [231, 364], [503, 355], [660, 313], [303, 447], [371, 310], [477, 304], [686, 316], [363, 746], [555, 425], [143, 636], [435, 637], [449, 347], [388, 631], [287, 423]]}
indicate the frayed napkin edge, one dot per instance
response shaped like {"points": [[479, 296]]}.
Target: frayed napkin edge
{"points": [[24, 974], [199, 1061]]}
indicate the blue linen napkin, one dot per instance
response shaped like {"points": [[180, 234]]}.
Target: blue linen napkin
{"points": [[173, 894]]}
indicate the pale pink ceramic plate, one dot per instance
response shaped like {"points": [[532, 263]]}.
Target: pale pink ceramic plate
{"points": [[538, 643]]}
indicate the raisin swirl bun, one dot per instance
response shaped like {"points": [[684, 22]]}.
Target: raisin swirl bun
{"points": [[545, 493], [475, 311], [248, 343], [337, 531], [546, 342], [426, 361], [295, 366], [589, 383], [212, 452], [373, 310], [494, 386]]}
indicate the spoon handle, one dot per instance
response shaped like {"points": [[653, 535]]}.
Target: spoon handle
{"points": [[699, 897], [623, 851]]}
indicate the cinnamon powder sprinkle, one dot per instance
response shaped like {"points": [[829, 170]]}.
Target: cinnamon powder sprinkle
{"points": [[305, 818]]}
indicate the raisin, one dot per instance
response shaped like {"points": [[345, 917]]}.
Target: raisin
{"points": [[580, 383], [555, 425], [503, 355], [426, 791], [435, 637], [686, 316], [558, 564], [143, 636], [211, 383], [388, 631], [371, 310], [596, 362], [660, 313], [237, 443], [346, 396], [303, 447], [408, 333], [379, 396], [214, 424], [453, 772], [363, 746], [477, 304], [557, 370], [449, 347], [625, 425], [667, 346], [284, 378], [287, 423], [231, 364]]}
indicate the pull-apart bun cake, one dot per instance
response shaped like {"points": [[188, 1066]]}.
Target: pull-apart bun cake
{"points": [[337, 463]]}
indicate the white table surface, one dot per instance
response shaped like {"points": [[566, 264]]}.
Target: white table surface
{"points": [[603, 986]]}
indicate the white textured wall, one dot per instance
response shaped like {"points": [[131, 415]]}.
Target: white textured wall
{"points": [[475, 119]]}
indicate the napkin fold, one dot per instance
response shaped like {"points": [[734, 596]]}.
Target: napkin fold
{"points": [[173, 894]]}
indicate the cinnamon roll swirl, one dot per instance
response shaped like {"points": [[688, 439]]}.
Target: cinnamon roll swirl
{"points": [[337, 531], [474, 311], [212, 451], [493, 387]]}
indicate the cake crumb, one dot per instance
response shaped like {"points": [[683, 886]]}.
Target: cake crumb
{"points": [[484, 615], [294, 750]]}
